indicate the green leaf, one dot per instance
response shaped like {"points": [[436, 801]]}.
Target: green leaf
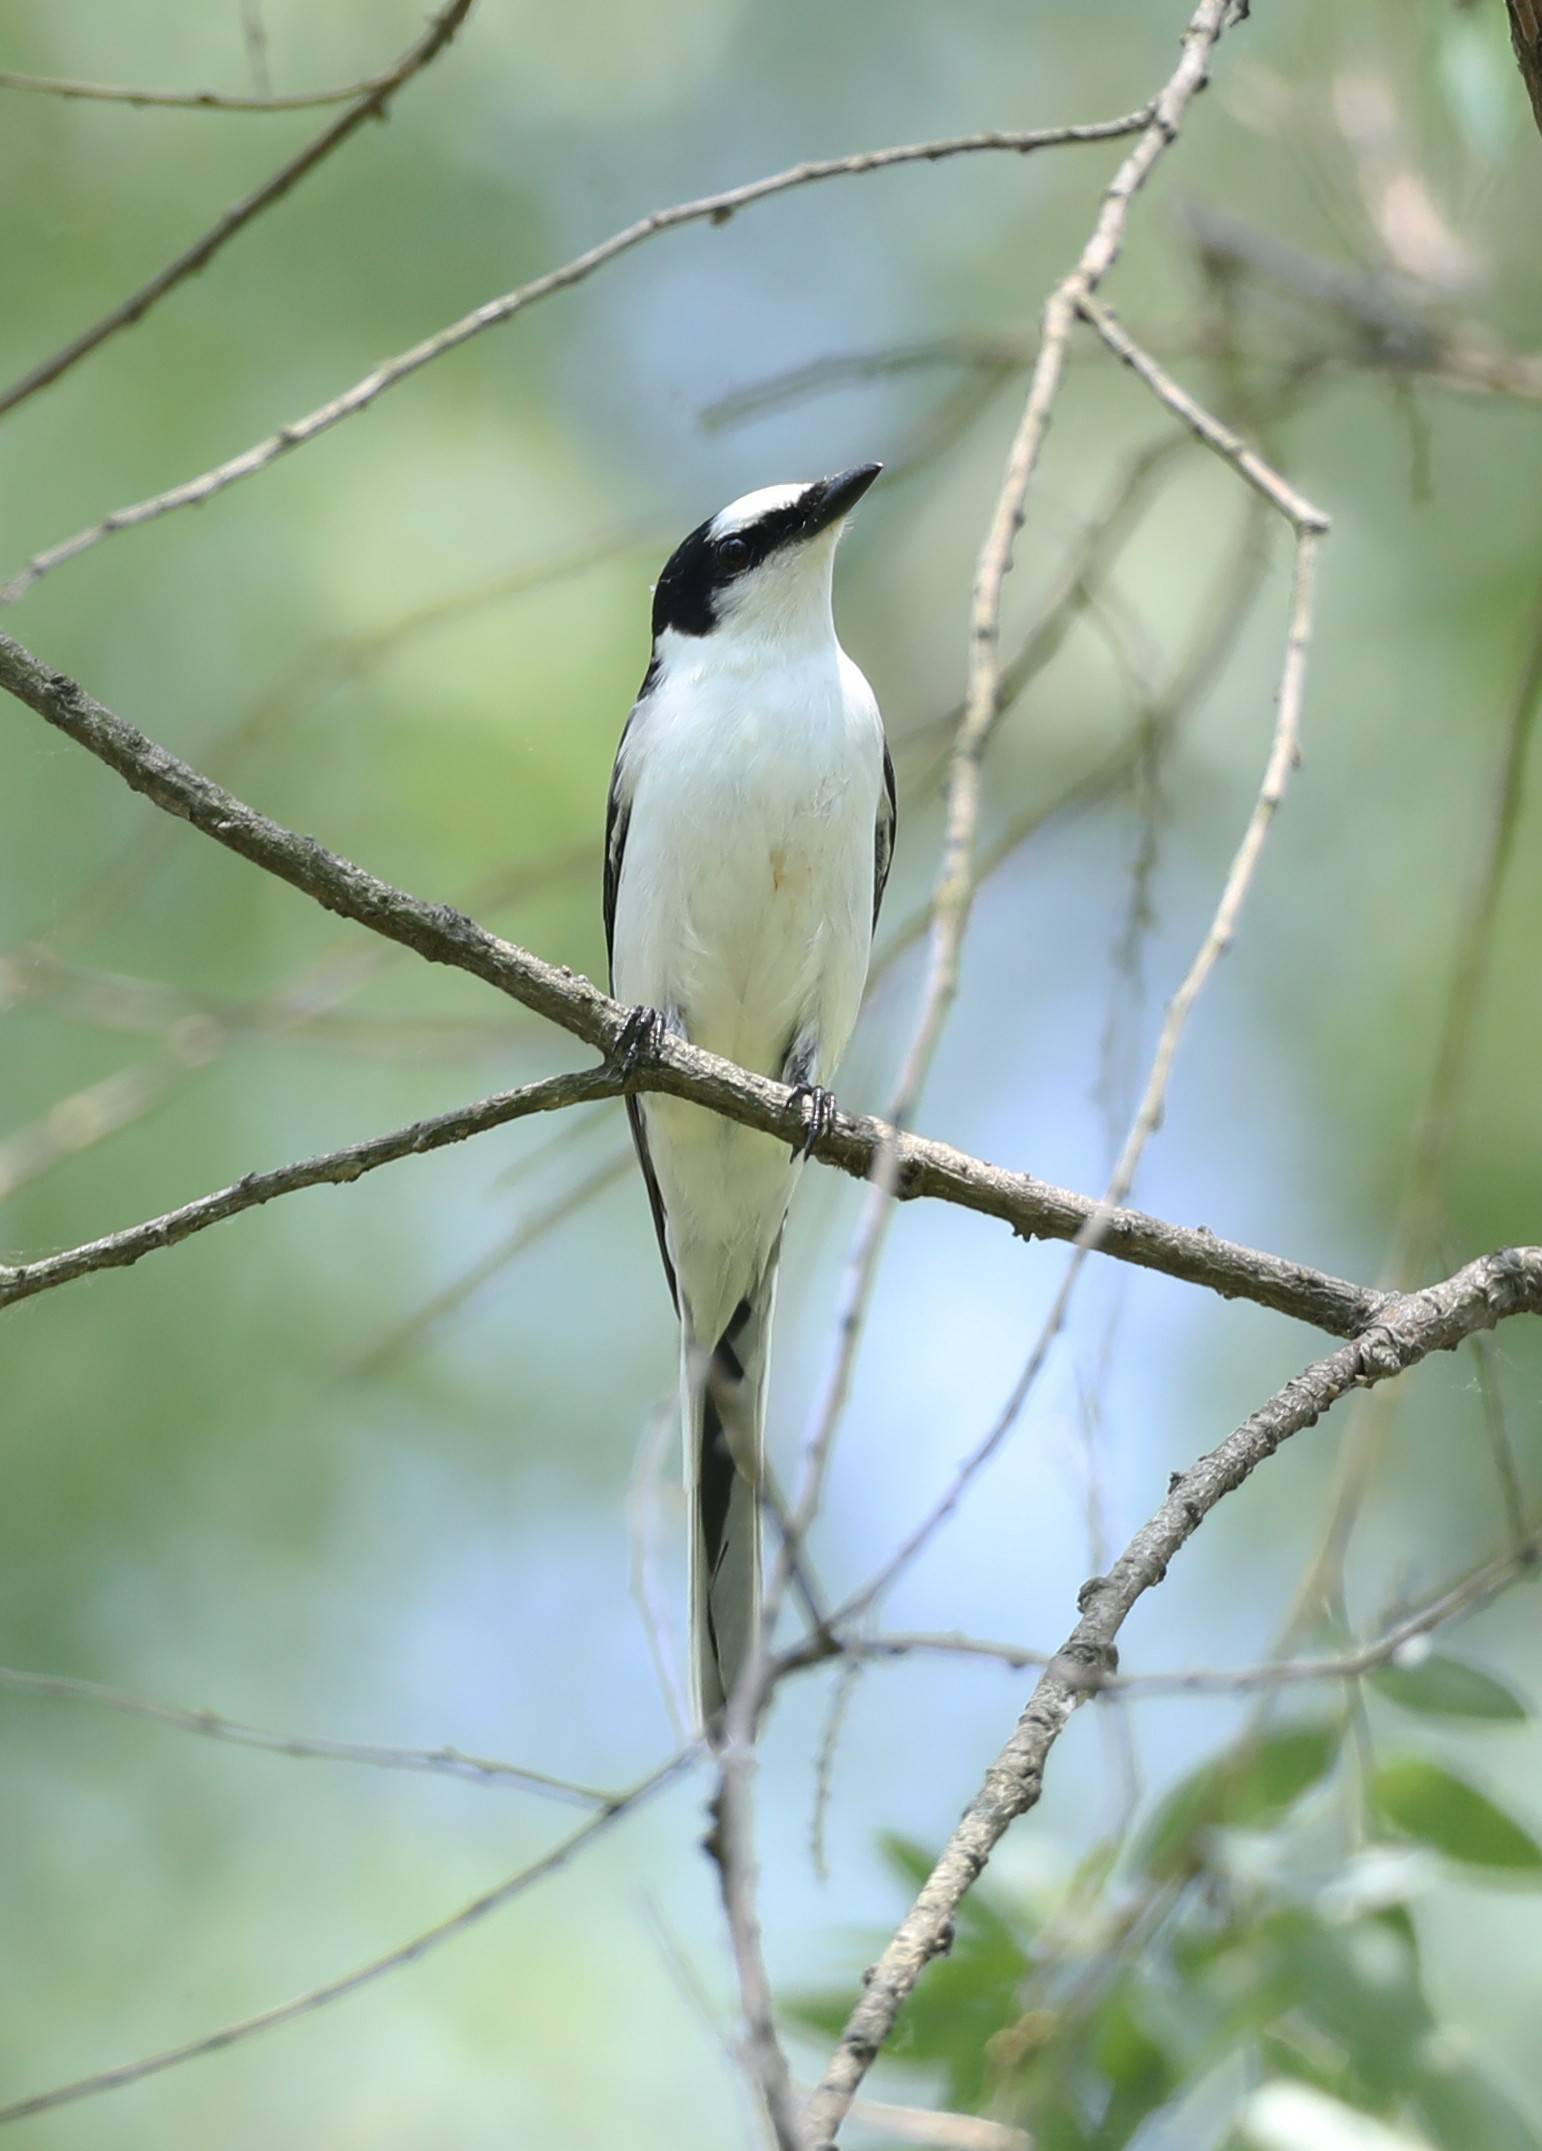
{"points": [[1359, 1984], [1140, 2072], [1461, 2107], [1444, 1811], [910, 1861], [1446, 1688], [1241, 1787]]}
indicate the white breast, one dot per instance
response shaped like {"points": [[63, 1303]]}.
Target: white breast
{"points": [[745, 909]]}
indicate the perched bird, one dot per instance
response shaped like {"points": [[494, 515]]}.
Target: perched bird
{"points": [[750, 828]]}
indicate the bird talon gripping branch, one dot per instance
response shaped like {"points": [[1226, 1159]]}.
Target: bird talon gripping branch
{"points": [[820, 1113], [640, 1040]]}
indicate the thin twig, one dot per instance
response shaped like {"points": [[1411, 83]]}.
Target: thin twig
{"points": [[118, 93], [1477, 1588], [371, 105], [732, 1847], [334, 1168], [493, 1900], [1283, 753], [709, 208], [443, 1762], [1436, 1319], [943, 2131], [956, 879], [1212, 431]]}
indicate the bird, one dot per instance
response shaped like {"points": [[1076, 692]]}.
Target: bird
{"points": [[749, 830]]}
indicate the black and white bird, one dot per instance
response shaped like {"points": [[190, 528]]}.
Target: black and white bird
{"points": [[750, 828]]}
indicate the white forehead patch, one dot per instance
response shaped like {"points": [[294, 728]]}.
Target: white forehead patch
{"points": [[740, 514]]}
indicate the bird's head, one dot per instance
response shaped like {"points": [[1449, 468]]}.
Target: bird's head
{"points": [[759, 571]]}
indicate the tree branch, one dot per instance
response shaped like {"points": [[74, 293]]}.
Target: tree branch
{"points": [[708, 208], [493, 1900], [443, 935], [371, 105], [441, 1762], [334, 1168], [1405, 1332], [1526, 37]]}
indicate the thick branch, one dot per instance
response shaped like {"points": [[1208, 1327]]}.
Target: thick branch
{"points": [[1406, 1331], [443, 935]]}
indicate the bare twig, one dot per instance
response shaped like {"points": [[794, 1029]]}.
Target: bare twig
{"points": [[118, 93], [371, 105], [493, 1900], [441, 1762], [957, 879], [732, 1847], [444, 935], [1463, 363], [1205, 427], [943, 2131], [1436, 1319], [1283, 753], [709, 208], [1477, 1588], [508, 1250], [335, 1168]]}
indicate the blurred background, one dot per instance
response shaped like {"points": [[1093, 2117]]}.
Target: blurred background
{"points": [[375, 1463]]}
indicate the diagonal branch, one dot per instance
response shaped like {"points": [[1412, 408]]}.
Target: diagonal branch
{"points": [[441, 1762], [493, 1900], [958, 876], [120, 93], [708, 208], [334, 1168], [371, 105], [1526, 37], [443, 935], [1407, 1330]]}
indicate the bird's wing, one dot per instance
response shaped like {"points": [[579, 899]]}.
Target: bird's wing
{"points": [[618, 816], [883, 838]]}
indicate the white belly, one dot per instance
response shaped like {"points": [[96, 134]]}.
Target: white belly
{"points": [[745, 913]]}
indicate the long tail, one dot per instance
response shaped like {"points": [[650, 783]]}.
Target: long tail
{"points": [[723, 1395]]}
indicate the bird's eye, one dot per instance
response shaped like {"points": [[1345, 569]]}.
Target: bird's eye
{"points": [[733, 552]]}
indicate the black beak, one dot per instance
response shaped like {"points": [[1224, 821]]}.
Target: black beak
{"points": [[832, 498]]}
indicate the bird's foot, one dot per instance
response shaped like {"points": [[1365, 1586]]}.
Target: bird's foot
{"points": [[639, 1042], [820, 1112]]}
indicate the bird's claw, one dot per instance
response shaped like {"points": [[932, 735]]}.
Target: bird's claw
{"points": [[640, 1040], [819, 1116]]}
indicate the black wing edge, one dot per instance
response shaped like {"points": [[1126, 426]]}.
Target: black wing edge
{"points": [[618, 815], [883, 836]]}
